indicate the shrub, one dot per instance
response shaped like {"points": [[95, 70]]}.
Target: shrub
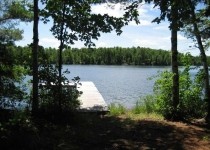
{"points": [[51, 99], [191, 93], [163, 93]]}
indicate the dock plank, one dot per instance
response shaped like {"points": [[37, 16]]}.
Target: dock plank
{"points": [[91, 99]]}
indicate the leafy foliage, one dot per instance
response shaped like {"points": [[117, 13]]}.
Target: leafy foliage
{"points": [[11, 72], [191, 94], [51, 101], [197, 29], [15, 10], [162, 90], [11, 76], [11, 13]]}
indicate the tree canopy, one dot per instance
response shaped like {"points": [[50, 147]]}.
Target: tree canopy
{"points": [[11, 13]]}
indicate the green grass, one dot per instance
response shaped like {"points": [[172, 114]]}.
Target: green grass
{"points": [[144, 109], [141, 116], [145, 105], [116, 109]]}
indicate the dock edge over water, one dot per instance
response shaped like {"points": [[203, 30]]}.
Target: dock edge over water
{"points": [[91, 99]]}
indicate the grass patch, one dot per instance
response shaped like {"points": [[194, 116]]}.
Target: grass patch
{"points": [[144, 109], [145, 105], [142, 116], [206, 138], [116, 109]]}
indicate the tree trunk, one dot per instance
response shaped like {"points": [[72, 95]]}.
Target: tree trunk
{"points": [[203, 59], [35, 102], [60, 56], [60, 74], [174, 62]]}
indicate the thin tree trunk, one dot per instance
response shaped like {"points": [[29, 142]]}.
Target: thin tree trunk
{"points": [[174, 61], [60, 56], [203, 59], [60, 74], [35, 102]]}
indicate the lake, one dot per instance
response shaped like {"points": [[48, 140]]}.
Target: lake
{"points": [[120, 84]]}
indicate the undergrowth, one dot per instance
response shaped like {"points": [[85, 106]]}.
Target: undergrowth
{"points": [[145, 108], [116, 109]]}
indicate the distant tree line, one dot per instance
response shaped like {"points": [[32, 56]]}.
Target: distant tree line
{"points": [[103, 56]]}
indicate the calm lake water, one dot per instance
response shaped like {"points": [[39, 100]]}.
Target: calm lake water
{"points": [[120, 84]]}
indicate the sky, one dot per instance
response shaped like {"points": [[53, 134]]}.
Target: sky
{"points": [[145, 34]]}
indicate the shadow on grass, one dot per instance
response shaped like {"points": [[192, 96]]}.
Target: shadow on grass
{"points": [[89, 131], [92, 132]]}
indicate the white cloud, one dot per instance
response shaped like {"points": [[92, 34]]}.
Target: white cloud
{"points": [[143, 9], [117, 10], [142, 23], [180, 37], [111, 10], [161, 27], [164, 43], [144, 43], [49, 42], [101, 44], [148, 12], [166, 38], [152, 42], [145, 23]]}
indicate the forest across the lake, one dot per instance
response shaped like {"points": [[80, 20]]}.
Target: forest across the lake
{"points": [[104, 56]]}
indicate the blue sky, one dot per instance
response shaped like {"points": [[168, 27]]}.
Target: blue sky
{"points": [[145, 34]]}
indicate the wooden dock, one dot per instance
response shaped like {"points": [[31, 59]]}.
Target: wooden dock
{"points": [[91, 99]]}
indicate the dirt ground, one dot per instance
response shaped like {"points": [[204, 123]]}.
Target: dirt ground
{"points": [[120, 133]]}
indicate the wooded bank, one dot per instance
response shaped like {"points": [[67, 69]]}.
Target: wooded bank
{"points": [[104, 56]]}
